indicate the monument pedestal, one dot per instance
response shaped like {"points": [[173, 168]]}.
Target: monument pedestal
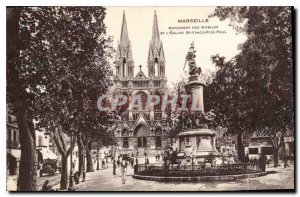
{"points": [[195, 88], [197, 143]]}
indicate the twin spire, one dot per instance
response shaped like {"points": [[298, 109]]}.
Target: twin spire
{"points": [[124, 52]]}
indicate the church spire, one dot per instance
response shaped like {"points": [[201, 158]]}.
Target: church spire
{"points": [[125, 66], [156, 58], [155, 31], [124, 32]]}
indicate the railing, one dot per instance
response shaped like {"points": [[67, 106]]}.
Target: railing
{"points": [[196, 170], [141, 83]]}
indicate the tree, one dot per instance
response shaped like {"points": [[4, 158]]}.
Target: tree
{"points": [[258, 82], [20, 99], [64, 67]]}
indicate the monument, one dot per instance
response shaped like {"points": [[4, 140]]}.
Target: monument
{"points": [[197, 140]]}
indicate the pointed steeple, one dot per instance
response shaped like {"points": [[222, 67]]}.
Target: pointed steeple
{"points": [[124, 32], [156, 57], [155, 31], [125, 67]]}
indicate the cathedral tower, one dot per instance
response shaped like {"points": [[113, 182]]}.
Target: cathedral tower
{"points": [[124, 62], [156, 57]]}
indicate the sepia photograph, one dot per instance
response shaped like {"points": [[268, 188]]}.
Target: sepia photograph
{"points": [[150, 99]]}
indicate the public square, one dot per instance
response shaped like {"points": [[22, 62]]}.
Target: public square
{"points": [[104, 180], [208, 106]]}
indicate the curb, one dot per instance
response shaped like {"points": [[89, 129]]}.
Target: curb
{"points": [[199, 178]]}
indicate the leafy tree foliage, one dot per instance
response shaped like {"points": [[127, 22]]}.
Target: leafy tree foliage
{"points": [[254, 90], [63, 69]]}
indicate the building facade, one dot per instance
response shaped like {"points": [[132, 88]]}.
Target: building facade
{"points": [[141, 131], [12, 143]]}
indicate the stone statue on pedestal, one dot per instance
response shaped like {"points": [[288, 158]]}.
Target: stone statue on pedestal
{"points": [[190, 59]]}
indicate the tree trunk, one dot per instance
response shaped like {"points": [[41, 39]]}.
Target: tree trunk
{"points": [[65, 152], [89, 160], [98, 151], [240, 147], [17, 96], [27, 170], [276, 157], [80, 154], [64, 172]]}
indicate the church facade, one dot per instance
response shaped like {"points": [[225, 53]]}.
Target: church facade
{"points": [[141, 131]]}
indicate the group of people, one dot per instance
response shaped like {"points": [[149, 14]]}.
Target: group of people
{"points": [[157, 157], [122, 163]]}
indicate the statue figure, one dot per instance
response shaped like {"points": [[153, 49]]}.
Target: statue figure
{"points": [[190, 58]]}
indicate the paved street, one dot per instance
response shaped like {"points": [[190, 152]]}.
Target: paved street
{"points": [[103, 180], [54, 180]]}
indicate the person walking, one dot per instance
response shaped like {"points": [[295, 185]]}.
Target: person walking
{"points": [[118, 162], [285, 161], [262, 161], [123, 170], [103, 164], [114, 168], [132, 162]]}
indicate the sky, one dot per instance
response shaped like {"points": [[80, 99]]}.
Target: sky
{"points": [[139, 24]]}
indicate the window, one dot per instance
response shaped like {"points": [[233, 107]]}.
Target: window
{"points": [[14, 136], [144, 142], [157, 141], [9, 138], [253, 151], [187, 141], [140, 142], [125, 142], [267, 150]]}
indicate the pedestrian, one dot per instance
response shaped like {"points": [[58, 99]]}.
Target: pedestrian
{"points": [[76, 178], [103, 164], [47, 187], [285, 161], [247, 158], [118, 162], [123, 170], [106, 162], [262, 161], [132, 162], [114, 168]]}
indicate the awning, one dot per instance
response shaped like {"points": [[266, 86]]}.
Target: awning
{"points": [[48, 154], [16, 153]]}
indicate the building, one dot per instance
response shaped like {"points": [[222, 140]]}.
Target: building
{"points": [[288, 148], [141, 131], [13, 148], [12, 143]]}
